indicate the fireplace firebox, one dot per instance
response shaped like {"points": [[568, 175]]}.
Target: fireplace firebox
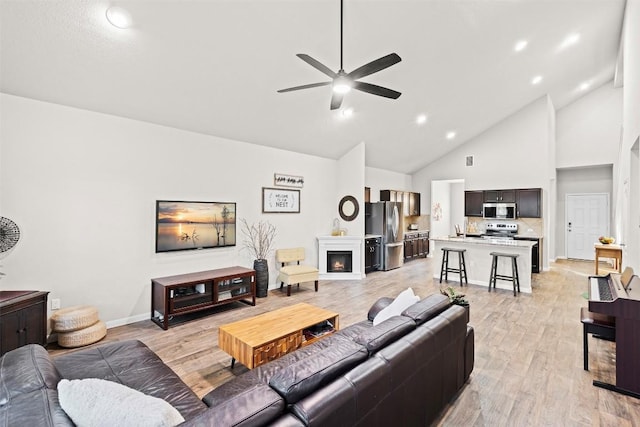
{"points": [[339, 261]]}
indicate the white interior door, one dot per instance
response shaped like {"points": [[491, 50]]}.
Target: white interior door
{"points": [[587, 218]]}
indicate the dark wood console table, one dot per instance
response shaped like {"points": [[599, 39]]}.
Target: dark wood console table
{"points": [[188, 293], [23, 319]]}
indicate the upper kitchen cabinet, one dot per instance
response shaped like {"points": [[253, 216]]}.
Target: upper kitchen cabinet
{"points": [[414, 204], [390, 196], [503, 196], [473, 203], [410, 201], [529, 203]]}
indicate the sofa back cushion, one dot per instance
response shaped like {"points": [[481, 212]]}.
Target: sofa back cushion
{"points": [[301, 378], [133, 364], [427, 308], [377, 337]]}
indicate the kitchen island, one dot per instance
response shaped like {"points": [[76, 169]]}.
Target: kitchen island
{"points": [[478, 260]]}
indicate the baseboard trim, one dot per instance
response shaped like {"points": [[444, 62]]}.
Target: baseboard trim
{"points": [[127, 320]]}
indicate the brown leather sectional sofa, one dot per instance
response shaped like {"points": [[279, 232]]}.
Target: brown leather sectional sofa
{"points": [[403, 371]]}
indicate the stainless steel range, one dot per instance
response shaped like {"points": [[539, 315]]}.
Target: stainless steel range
{"points": [[501, 230]]}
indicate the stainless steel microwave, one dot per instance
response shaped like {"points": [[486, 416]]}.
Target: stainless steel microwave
{"points": [[499, 210]]}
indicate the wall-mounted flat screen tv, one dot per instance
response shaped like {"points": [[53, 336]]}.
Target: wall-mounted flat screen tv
{"points": [[184, 225]]}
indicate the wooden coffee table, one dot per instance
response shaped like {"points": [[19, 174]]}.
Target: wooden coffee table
{"points": [[268, 336]]}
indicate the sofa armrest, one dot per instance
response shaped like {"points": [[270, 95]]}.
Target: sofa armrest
{"points": [[378, 306]]}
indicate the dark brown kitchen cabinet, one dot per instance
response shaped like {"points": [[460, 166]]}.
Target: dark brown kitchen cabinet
{"points": [[503, 196], [410, 201], [23, 319], [473, 203], [529, 203], [414, 204], [416, 244]]}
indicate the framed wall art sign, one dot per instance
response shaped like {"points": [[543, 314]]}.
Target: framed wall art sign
{"points": [[280, 200], [283, 180]]}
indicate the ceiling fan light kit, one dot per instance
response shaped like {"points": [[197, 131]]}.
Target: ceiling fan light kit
{"points": [[342, 82]]}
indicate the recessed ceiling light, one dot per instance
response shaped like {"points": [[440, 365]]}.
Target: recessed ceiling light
{"points": [[118, 17], [536, 80], [585, 86], [421, 119], [570, 40], [520, 45], [451, 135], [347, 112]]}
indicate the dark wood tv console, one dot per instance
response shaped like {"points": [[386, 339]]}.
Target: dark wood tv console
{"points": [[192, 292]]}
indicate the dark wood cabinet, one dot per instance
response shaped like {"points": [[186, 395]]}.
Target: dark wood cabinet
{"points": [[529, 203], [473, 203], [372, 254], [416, 245], [410, 201], [503, 196], [23, 319], [414, 204], [172, 296]]}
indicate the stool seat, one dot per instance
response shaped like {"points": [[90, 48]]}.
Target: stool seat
{"points": [[462, 267], [600, 325], [515, 278]]}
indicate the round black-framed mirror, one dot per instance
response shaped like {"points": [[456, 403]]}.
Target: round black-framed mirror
{"points": [[348, 208]]}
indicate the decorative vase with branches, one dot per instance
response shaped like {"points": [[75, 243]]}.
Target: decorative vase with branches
{"points": [[258, 240]]}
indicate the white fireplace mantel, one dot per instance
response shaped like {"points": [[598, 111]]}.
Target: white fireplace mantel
{"points": [[340, 243]]}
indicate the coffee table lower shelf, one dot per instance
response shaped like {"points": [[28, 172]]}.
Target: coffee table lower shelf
{"points": [[260, 339]]}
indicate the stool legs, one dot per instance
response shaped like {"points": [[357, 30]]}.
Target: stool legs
{"points": [[444, 268], [494, 276], [462, 266]]}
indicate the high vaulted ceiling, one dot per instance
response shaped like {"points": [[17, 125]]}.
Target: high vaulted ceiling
{"points": [[214, 66]]}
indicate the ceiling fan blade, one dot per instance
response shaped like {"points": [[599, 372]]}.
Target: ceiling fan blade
{"points": [[309, 86], [375, 66], [336, 100], [376, 90], [317, 65]]}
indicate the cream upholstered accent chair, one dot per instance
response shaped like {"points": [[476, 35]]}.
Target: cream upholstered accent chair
{"points": [[294, 273]]}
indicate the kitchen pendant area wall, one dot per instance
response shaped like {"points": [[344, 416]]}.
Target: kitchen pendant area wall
{"points": [[447, 206]]}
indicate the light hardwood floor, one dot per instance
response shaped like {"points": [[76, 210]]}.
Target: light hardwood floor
{"points": [[528, 349]]}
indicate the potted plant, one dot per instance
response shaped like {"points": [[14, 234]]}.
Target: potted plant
{"points": [[258, 240], [457, 298]]}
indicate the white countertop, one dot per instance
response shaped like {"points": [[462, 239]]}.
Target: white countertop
{"points": [[483, 241]]}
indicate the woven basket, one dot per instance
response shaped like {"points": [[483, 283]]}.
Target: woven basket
{"points": [[74, 318], [86, 336]]}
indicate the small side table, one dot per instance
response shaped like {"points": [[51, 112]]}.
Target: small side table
{"points": [[609, 251]]}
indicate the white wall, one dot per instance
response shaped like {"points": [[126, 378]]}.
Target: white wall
{"points": [[351, 183], [457, 206], [381, 179], [588, 130], [521, 138], [82, 186], [596, 179], [440, 196], [626, 181]]}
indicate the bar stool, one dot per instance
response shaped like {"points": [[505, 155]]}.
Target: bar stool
{"points": [[514, 271], [462, 267]]}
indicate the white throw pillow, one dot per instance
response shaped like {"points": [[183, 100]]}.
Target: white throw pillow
{"points": [[95, 402], [405, 299]]}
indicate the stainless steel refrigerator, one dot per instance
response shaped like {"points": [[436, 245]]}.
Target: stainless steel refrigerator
{"points": [[385, 219]]}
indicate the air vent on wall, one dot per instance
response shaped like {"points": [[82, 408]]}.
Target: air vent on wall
{"points": [[469, 161]]}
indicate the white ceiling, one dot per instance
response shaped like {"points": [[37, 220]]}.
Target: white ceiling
{"points": [[213, 66]]}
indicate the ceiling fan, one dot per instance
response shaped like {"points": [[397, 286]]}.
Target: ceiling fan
{"points": [[343, 82]]}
